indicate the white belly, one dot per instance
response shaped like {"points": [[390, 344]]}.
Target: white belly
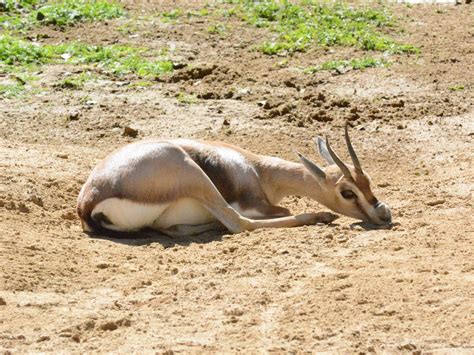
{"points": [[184, 211], [126, 215]]}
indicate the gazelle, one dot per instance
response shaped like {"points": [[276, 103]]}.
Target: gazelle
{"points": [[183, 187]]}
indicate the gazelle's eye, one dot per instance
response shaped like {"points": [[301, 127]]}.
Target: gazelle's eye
{"points": [[348, 194]]}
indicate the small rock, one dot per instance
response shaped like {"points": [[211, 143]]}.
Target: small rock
{"points": [[130, 132], [43, 338], [110, 326], [383, 184], [74, 116], [329, 236], [399, 103], [234, 311], [226, 122], [436, 202], [62, 156], [400, 126], [342, 239], [76, 337], [68, 216], [36, 200], [103, 265], [23, 208], [2, 302]]}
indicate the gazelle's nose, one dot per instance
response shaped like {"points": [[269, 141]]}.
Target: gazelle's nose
{"points": [[383, 212]]}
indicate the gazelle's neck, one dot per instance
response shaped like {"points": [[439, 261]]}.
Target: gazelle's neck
{"points": [[281, 178]]}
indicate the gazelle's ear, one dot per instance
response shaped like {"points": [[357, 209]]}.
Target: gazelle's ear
{"points": [[323, 150], [315, 170]]}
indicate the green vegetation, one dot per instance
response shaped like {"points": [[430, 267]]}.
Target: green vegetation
{"points": [[11, 90], [348, 64], [186, 99], [456, 88], [115, 59], [299, 25], [171, 15], [76, 81], [218, 28], [16, 5], [68, 12], [24, 14]]}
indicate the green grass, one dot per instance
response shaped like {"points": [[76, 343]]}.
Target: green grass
{"points": [[218, 28], [186, 99], [348, 64], [297, 26], [115, 59], [22, 15], [11, 90], [17, 5], [456, 88], [76, 81], [68, 12]]}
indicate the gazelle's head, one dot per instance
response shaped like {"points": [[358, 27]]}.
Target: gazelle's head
{"points": [[346, 188]]}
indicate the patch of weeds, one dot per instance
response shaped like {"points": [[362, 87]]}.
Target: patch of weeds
{"points": [[116, 59], [68, 12], [76, 81], [201, 13], [186, 99], [172, 15], [15, 51], [299, 25], [141, 84], [355, 64], [219, 29], [26, 14], [11, 90], [128, 28], [456, 88], [17, 5]]}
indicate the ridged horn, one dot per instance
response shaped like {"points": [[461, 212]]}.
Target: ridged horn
{"points": [[338, 161], [352, 152]]}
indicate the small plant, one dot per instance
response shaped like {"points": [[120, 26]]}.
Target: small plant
{"points": [[186, 99], [11, 90], [456, 88], [218, 28], [171, 15], [76, 81], [355, 64]]}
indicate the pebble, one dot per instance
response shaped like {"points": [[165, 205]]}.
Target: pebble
{"points": [[43, 338], [130, 132], [436, 202], [36, 200], [2, 302], [342, 239], [23, 208]]}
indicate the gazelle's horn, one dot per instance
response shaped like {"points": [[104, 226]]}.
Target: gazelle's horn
{"points": [[338, 161], [352, 152]]}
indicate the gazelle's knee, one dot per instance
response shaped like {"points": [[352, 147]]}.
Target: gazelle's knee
{"points": [[243, 224]]}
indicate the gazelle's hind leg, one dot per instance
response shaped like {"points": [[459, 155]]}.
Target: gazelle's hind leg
{"points": [[182, 230]]}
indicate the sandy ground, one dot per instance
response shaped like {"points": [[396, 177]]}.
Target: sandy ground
{"points": [[344, 287]]}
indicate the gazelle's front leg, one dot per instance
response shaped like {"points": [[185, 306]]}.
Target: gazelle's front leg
{"points": [[205, 192]]}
